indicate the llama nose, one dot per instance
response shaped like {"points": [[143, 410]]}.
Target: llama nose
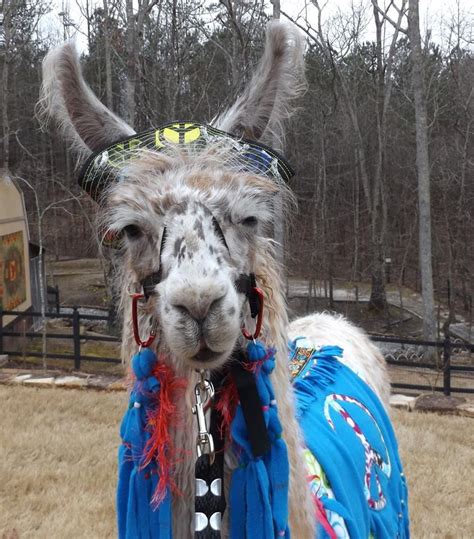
{"points": [[198, 311], [198, 304]]}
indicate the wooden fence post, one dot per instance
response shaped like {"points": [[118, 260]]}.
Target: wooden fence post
{"points": [[76, 334], [447, 365], [331, 284], [58, 306], [1, 330]]}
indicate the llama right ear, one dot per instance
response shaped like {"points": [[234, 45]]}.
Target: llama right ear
{"points": [[66, 98], [259, 113]]}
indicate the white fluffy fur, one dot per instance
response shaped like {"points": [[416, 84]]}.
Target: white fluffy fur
{"points": [[360, 354], [65, 97], [267, 101]]}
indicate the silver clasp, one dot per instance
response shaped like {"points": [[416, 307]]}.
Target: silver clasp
{"points": [[203, 393]]}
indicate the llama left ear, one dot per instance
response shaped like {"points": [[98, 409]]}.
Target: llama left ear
{"points": [[65, 97], [259, 113]]}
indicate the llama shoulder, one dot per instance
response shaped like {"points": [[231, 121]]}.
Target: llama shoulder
{"points": [[359, 353]]}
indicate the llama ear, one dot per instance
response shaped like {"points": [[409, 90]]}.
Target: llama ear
{"points": [[259, 113], [67, 99]]}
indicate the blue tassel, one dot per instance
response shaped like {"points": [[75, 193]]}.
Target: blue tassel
{"points": [[238, 508], [132, 531], [261, 482], [259, 512], [279, 472], [143, 494], [125, 470], [143, 363], [256, 351], [321, 374], [160, 517], [137, 518]]}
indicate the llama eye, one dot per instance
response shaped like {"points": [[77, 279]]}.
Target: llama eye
{"points": [[132, 231], [249, 221]]}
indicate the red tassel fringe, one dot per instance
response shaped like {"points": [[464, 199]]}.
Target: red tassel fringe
{"points": [[164, 418], [226, 406]]}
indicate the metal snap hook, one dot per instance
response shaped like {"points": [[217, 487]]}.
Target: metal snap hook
{"points": [[203, 394]]}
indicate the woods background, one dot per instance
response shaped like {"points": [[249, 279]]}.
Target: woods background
{"points": [[353, 141]]}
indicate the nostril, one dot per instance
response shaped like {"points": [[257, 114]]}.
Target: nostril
{"points": [[195, 312], [215, 304], [182, 309], [200, 310]]}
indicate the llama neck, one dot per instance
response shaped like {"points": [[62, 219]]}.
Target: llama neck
{"points": [[301, 506]]}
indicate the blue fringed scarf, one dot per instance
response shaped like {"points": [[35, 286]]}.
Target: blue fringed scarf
{"points": [[259, 485], [138, 517]]}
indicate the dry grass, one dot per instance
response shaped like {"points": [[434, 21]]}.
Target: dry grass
{"points": [[58, 466], [437, 452], [58, 462]]}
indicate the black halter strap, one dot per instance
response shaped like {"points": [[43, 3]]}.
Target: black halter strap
{"points": [[246, 284], [150, 281], [249, 398]]}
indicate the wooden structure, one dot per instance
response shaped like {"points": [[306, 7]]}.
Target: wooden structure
{"points": [[15, 282]]}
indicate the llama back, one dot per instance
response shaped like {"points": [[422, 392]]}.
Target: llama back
{"points": [[359, 353], [350, 450]]}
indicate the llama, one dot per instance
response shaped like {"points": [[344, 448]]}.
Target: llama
{"points": [[190, 220]]}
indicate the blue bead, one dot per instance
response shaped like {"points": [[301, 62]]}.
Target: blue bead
{"points": [[153, 384], [256, 351], [143, 362]]}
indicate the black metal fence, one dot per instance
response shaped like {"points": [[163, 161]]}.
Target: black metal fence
{"points": [[76, 317], [446, 349]]}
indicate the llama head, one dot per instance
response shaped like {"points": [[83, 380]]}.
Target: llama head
{"points": [[194, 215]]}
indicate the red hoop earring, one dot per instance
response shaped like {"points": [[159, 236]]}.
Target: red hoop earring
{"points": [[136, 332], [258, 293]]}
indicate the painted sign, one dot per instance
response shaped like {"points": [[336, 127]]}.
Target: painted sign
{"points": [[12, 270]]}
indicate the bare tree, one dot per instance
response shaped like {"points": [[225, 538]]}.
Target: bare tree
{"points": [[346, 45], [5, 38], [135, 21], [422, 156], [108, 60]]}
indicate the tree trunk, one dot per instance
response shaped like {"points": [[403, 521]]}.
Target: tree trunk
{"points": [[5, 156], [423, 171], [378, 296], [108, 62], [130, 83], [276, 8]]}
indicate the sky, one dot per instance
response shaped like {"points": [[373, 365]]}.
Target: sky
{"points": [[434, 14]]}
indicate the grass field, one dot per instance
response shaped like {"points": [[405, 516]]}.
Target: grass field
{"points": [[58, 466]]}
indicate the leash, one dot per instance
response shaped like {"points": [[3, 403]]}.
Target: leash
{"points": [[209, 503]]}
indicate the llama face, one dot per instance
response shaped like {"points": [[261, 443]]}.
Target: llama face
{"points": [[211, 219], [197, 303], [199, 307]]}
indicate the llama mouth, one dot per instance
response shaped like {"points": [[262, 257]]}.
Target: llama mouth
{"points": [[206, 355]]}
